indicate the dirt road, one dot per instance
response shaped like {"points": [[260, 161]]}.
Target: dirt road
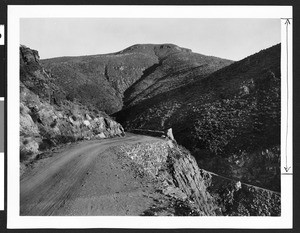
{"points": [[87, 178]]}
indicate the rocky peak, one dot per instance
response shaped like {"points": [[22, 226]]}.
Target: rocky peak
{"points": [[28, 55]]}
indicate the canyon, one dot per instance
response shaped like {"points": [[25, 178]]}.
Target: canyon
{"points": [[77, 115]]}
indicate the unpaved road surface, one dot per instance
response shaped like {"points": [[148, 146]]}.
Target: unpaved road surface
{"points": [[87, 178]]}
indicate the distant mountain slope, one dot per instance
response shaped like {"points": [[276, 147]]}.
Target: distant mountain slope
{"points": [[127, 77], [230, 120]]}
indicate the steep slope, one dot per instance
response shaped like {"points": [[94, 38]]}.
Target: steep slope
{"points": [[230, 120], [110, 82], [47, 119]]}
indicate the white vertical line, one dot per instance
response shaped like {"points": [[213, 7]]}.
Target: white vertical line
{"points": [[286, 121]]}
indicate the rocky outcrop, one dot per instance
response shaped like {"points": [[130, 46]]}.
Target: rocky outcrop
{"points": [[177, 171], [197, 191], [47, 119], [28, 55], [191, 180]]}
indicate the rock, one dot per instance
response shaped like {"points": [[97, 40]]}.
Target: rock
{"points": [[101, 122], [28, 148], [177, 171], [170, 143], [238, 185], [28, 55], [47, 119], [27, 126], [88, 117], [86, 123], [170, 134], [100, 135], [175, 192]]}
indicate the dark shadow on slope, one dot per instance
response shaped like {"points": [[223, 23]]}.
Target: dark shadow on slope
{"points": [[159, 85], [145, 74], [231, 115]]}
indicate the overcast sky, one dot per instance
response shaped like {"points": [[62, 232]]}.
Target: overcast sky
{"points": [[227, 38]]}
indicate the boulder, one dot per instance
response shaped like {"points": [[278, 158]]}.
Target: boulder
{"points": [[100, 135], [170, 134]]}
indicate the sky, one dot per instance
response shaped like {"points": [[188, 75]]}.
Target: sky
{"points": [[233, 39]]}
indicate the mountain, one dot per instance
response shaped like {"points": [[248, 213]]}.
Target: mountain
{"points": [[227, 114], [229, 120], [47, 118], [111, 82]]}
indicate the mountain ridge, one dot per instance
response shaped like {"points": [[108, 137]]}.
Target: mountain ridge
{"points": [[118, 75]]}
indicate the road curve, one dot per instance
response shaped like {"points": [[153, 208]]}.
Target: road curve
{"points": [[86, 178]]}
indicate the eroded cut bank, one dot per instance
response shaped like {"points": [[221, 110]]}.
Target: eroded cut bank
{"points": [[195, 191]]}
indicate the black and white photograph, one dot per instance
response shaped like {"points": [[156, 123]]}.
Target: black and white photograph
{"points": [[154, 128], [153, 117]]}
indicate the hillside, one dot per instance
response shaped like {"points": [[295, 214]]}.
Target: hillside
{"points": [[114, 81], [47, 119], [230, 120]]}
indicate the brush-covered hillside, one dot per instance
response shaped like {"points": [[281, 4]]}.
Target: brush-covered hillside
{"points": [[114, 81], [230, 119]]}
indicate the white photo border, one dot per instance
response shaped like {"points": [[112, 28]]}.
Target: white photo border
{"points": [[15, 13]]}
